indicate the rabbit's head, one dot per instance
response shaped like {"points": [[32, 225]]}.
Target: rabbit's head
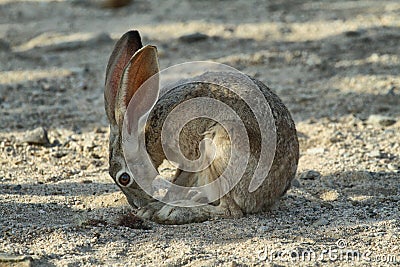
{"points": [[129, 66]]}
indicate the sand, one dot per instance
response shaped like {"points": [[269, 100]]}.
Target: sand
{"points": [[335, 64]]}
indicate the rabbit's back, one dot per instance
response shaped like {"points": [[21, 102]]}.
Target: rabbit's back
{"points": [[219, 87], [191, 135]]}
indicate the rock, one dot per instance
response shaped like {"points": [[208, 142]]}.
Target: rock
{"points": [[375, 154], [296, 183], [361, 175], [263, 228], [321, 222], [17, 187], [381, 120], [102, 37], [330, 195], [99, 130], [4, 46], [336, 137], [315, 150], [310, 175], [37, 136], [313, 60], [59, 154], [15, 260], [354, 33], [193, 37], [392, 167]]}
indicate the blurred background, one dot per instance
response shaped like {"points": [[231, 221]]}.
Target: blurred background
{"points": [[324, 58]]}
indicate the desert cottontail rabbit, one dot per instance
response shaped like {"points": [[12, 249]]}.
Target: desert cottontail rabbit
{"points": [[129, 66]]}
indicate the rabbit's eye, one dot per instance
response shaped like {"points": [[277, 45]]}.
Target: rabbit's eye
{"points": [[124, 179]]}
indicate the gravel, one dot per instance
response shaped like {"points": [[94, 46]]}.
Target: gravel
{"points": [[334, 64]]}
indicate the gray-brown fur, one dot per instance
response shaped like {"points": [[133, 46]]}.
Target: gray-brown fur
{"points": [[239, 200]]}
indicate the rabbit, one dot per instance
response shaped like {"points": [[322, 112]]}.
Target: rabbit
{"points": [[129, 66]]}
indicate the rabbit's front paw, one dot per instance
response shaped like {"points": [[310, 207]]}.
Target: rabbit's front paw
{"points": [[180, 215], [148, 211]]}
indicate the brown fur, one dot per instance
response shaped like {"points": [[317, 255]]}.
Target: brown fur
{"points": [[239, 200]]}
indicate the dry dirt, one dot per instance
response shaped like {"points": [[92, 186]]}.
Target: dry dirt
{"points": [[335, 64]]}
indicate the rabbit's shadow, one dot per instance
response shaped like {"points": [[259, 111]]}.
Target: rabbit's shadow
{"points": [[323, 209], [344, 200]]}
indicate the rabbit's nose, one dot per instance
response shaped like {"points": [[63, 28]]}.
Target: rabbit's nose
{"points": [[124, 179]]}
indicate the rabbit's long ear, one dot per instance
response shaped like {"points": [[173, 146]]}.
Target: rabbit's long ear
{"points": [[141, 71], [123, 51]]}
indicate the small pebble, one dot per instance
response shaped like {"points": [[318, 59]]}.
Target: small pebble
{"points": [[392, 167], [321, 222], [37, 136], [330, 195], [375, 154], [59, 154], [17, 187], [361, 175], [4, 46], [193, 37], [296, 183], [381, 120], [353, 33], [315, 150], [310, 175], [15, 260]]}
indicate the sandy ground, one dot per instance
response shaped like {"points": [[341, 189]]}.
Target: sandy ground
{"points": [[335, 64]]}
